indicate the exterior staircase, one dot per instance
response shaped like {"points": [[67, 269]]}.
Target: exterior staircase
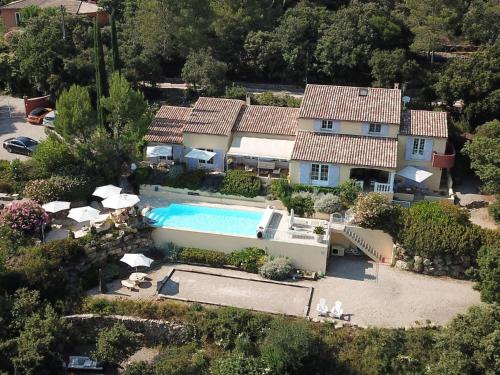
{"points": [[362, 245]]}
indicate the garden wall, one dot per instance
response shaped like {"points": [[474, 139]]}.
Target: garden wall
{"points": [[308, 257], [113, 245], [153, 332], [186, 195]]}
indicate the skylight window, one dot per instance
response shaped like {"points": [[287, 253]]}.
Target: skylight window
{"points": [[363, 92]]}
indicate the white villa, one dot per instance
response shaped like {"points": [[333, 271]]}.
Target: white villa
{"points": [[338, 133]]}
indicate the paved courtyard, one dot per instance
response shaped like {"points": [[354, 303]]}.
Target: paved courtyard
{"points": [[371, 296], [226, 290], [15, 126]]}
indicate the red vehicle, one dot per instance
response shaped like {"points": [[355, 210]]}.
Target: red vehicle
{"points": [[37, 115]]}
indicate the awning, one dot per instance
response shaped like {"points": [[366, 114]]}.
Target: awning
{"points": [[414, 174], [200, 154], [156, 151], [261, 147]]}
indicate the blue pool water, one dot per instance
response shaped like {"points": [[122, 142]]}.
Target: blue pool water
{"points": [[206, 219]]}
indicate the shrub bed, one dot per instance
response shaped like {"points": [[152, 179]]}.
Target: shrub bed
{"points": [[58, 188], [249, 259], [240, 183], [202, 256], [278, 268], [26, 215], [188, 180]]}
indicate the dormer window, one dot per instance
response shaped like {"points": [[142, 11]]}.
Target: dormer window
{"points": [[375, 128], [326, 124], [363, 92]]}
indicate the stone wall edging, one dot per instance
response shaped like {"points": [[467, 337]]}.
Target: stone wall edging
{"points": [[151, 331]]}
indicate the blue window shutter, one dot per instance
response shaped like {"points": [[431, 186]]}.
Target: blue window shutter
{"points": [[428, 149], [384, 130], [219, 160], [305, 173], [409, 148], [336, 126], [190, 162], [177, 152], [317, 125], [333, 175], [365, 127]]}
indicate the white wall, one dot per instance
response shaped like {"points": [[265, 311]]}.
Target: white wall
{"points": [[306, 257]]}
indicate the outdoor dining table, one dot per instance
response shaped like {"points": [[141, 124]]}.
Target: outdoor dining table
{"points": [[137, 277]]}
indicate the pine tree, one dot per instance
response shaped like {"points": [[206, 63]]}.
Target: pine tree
{"points": [[101, 82], [114, 44]]}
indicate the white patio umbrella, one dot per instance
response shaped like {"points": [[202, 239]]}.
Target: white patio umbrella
{"points": [[56, 206], [121, 201], [107, 191], [136, 260], [82, 214]]}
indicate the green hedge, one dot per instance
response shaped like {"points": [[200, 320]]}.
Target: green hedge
{"points": [[188, 180], [249, 259], [202, 256], [240, 183]]}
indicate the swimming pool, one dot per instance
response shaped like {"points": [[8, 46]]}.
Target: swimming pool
{"points": [[207, 219]]}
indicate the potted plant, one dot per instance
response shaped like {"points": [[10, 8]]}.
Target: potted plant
{"points": [[319, 233]]}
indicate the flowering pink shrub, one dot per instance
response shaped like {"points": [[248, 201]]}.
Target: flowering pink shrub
{"points": [[25, 215]]}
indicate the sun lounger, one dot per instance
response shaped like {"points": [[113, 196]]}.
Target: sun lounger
{"points": [[321, 308], [337, 310], [128, 284]]}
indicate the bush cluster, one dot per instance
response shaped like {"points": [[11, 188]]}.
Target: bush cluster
{"points": [[58, 188], [278, 268], [26, 216], [494, 210], [305, 199], [202, 256], [242, 183], [249, 259], [192, 180]]}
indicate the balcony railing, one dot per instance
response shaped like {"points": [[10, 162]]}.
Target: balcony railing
{"points": [[446, 160], [382, 188]]}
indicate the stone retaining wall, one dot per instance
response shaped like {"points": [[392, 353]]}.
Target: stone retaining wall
{"points": [[438, 266], [152, 332]]}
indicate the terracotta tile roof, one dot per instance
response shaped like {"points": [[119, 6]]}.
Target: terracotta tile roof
{"points": [[346, 149], [167, 125], [267, 120], [71, 6], [424, 123], [345, 103], [213, 116]]}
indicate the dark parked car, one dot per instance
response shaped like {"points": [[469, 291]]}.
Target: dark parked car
{"points": [[37, 115], [20, 145]]}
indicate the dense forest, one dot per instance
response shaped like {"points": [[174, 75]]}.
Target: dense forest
{"points": [[440, 51]]}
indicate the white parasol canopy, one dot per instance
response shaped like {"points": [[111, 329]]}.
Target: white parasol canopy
{"points": [[107, 191], [200, 154], [136, 260], [156, 151], [121, 201], [82, 214], [414, 174], [56, 206]]}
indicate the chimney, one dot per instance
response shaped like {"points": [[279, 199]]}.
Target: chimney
{"points": [[396, 85], [247, 99]]}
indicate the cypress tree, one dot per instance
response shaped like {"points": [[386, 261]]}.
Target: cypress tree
{"points": [[114, 44], [101, 82]]}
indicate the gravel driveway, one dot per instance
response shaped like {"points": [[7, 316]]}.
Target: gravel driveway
{"points": [[15, 126]]}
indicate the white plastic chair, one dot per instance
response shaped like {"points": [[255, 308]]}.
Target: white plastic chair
{"points": [[321, 308], [337, 310]]}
